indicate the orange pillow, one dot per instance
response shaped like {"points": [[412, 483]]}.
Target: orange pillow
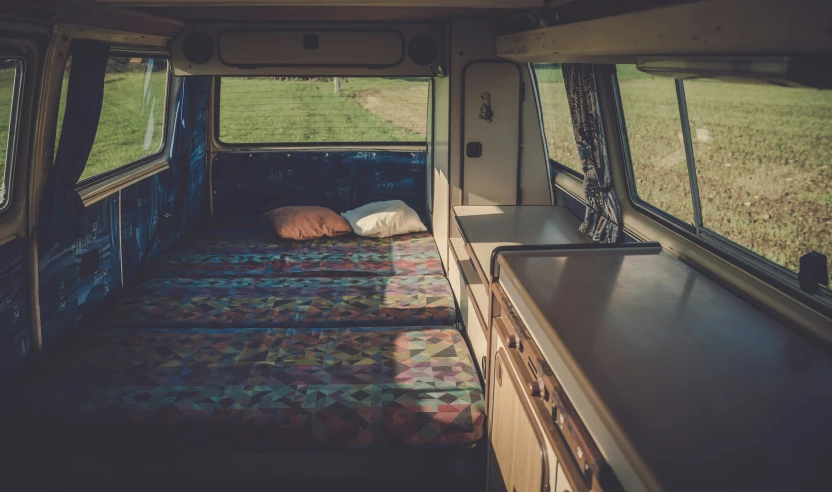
{"points": [[301, 223]]}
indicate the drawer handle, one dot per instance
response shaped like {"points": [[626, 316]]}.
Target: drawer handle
{"points": [[538, 390], [512, 341]]}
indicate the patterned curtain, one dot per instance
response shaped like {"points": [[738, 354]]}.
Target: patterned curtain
{"points": [[603, 215]]}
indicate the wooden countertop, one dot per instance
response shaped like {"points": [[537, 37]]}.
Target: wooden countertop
{"points": [[696, 387], [486, 227]]}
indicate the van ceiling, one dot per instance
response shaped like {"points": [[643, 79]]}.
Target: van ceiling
{"points": [[318, 14]]}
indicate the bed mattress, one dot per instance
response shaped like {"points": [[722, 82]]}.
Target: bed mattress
{"points": [[257, 390], [285, 302]]}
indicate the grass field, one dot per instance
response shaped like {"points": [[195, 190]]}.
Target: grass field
{"points": [[763, 157], [132, 120], [262, 110], [763, 153], [7, 77]]}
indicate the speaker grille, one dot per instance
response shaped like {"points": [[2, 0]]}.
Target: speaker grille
{"points": [[423, 49], [198, 48]]}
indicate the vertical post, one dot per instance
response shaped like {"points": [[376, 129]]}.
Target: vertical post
{"points": [[337, 88], [694, 181]]}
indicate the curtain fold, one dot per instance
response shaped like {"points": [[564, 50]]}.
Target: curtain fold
{"points": [[188, 148], [602, 221], [62, 210]]}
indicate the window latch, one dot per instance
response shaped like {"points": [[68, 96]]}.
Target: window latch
{"points": [[814, 272]]}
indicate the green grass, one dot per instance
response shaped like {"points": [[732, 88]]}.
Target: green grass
{"points": [[763, 153], [263, 110], [132, 121], [7, 77], [763, 156], [128, 112]]}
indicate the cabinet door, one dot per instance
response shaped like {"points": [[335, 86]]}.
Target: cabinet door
{"points": [[517, 460]]}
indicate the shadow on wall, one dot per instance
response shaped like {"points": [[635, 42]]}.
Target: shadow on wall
{"points": [[249, 184]]}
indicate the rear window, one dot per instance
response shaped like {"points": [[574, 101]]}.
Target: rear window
{"points": [[329, 110]]}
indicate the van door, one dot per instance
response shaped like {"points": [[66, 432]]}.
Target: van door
{"points": [[491, 133], [20, 49]]}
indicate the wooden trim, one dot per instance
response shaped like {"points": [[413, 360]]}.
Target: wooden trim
{"points": [[76, 31], [712, 27]]}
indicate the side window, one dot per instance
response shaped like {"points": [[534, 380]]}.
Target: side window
{"points": [[764, 162], [132, 123], [323, 110], [557, 122], [657, 148], [11, 76], [758, 161]]}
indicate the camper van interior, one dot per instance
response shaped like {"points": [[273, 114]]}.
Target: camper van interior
{"points": [[415, 245]]}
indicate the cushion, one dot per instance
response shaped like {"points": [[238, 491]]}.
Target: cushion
{"points": [[301, 223], [384, 219]]}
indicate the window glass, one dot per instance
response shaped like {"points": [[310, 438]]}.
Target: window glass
{"points": [[764, 164], [323, 110], [132, 122], [657, 148], [10, 73], [557, 122]]}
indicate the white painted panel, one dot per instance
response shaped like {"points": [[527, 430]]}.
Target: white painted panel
{"points": [[457, 284], [276, 49], [491, 117], [476, 335], [467, 310], [429, 157], [561, 484], [534, 173], [441, 170], [335, 48]]}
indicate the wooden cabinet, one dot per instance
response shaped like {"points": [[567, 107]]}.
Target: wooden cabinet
{"points": [[537, 441], [517, 458]]}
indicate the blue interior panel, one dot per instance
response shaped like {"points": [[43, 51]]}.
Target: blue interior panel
{"points": [[15, 325], [147, 222], [75, 275], [247, 184]]}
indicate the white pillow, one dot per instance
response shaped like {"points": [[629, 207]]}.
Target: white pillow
{"points": [[384, 219]]}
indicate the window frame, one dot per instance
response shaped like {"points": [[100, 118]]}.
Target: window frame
{"points": [[767, 270], [640, 204], [18, 93], [552, 162], [128, 167], [217, 116]]}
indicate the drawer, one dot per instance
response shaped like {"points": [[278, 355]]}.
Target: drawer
{"points": [[475, 331]]}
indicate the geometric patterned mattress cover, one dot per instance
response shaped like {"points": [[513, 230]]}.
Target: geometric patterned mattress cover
{"points": [[283, 302], [257, 390], [247, 248]]}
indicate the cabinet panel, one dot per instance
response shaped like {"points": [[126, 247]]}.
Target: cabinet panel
{"points": [[561, 483], [517, 461], [468, 309]]}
